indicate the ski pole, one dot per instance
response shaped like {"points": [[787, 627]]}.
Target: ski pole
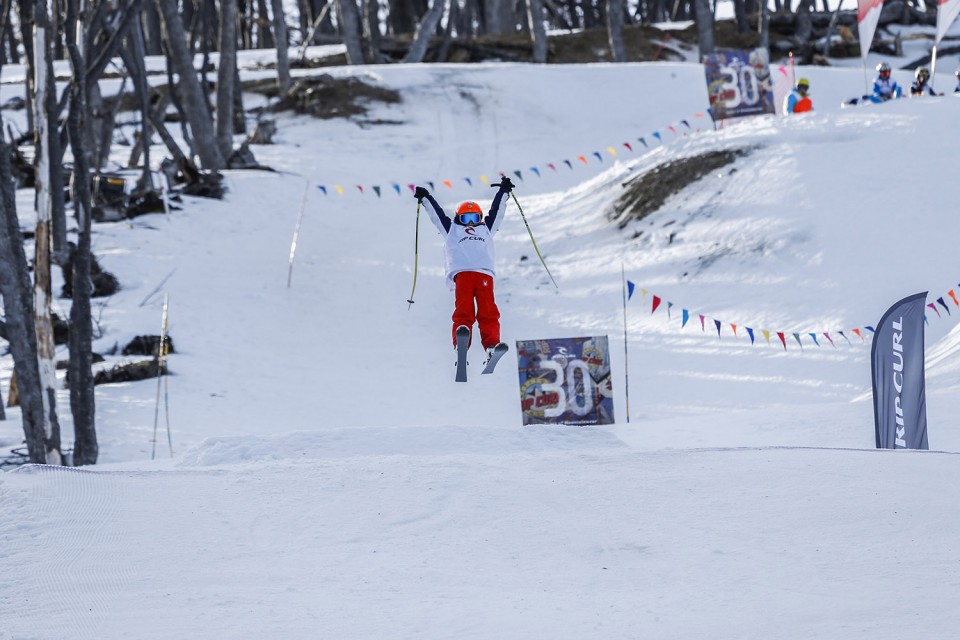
{"points": [[416, 256], [296, 233], [535, 248]]}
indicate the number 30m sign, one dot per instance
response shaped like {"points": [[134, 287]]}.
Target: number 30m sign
{"points": [[565, 381], [739, 84]]}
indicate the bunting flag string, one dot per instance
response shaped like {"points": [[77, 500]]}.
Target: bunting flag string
{"points": [[585, 158], [817, 338]]}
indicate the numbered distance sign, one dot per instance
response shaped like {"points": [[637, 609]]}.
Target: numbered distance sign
{"points": [[565, 381], [739, 84]]}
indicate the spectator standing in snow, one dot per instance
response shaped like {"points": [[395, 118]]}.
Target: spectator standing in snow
{"points": [[885, 87], [469, 257], [798, 101], [920, 86], [957, 73]]}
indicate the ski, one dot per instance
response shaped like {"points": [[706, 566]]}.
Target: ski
{"points": [[463, 342], [498, 352]]}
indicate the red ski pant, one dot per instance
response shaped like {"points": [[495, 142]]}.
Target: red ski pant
{"points": [[474, 302]]}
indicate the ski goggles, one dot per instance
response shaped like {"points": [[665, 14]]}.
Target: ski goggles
{"points": [[470, 218]]}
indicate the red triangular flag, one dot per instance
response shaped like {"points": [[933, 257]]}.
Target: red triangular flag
{"points": [[656, 303], [782, 339]]}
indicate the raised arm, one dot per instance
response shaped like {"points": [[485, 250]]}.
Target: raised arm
{"points": [[495, 215], [440, 219]]}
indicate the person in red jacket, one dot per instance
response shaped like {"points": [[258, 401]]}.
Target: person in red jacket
{"points": [[798, 101], [469, 257]]}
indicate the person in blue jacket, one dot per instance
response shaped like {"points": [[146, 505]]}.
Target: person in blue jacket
{"points": [[798, 101], [884, 87]]}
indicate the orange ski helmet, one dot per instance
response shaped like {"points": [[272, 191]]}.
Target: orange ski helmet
{"points": [[469, 213], [469, 207]]}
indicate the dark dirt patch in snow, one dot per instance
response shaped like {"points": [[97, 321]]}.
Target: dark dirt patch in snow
{"points": [[646, 193], [325, 97]]}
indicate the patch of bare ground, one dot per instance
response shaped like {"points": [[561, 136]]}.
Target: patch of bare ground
{"points": [[646, 193]]}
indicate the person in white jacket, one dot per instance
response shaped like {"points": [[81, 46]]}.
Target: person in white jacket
{"points": [[469, 256]]}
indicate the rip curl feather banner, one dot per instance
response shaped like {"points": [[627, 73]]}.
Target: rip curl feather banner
{"points": [[834, 338], [587, 158]]}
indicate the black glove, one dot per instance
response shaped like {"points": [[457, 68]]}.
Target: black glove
{"points": [[505, 184], [420, 193]]}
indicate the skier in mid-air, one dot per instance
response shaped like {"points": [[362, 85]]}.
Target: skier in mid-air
{"points": [[469, 256]]}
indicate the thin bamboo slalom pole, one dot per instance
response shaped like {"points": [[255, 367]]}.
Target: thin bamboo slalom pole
{"points": [[296, 233], [416, 256], [161, 352], [535, 247], [626, 358]]}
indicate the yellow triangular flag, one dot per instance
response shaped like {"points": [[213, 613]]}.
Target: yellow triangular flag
{"points": [[612, 151], [338, 188], [484, 179], [766, 334]]}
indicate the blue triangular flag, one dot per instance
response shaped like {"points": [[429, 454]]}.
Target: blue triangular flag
{"points": [[750, 333], [469, 182], [630, 288], [648, 146], [815, 341], [686, 316], [396, 188], [944, 304], [567, 162], [535, 170], [656, 134], [322, 188], [717, 322], [599, 157]]}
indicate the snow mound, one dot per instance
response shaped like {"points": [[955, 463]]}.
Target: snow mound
{"points": [[394, 441]]}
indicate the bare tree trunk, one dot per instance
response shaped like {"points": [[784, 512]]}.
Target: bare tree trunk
{"points": [[18, 309], [618, 51], [239, 119], [538, 33], [41, 268], [151, 29], [740, 14], [80, 374], [804, 24], [704, 15], [764, 25], [283, 58], [200, 120], [137, 68], [226, 71], [25, 13], [426, 29], [264, 39], [350, 30], [371, 30], [498, 16]]}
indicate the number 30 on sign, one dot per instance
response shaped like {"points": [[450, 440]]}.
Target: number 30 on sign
{"points": [[565, 381]]}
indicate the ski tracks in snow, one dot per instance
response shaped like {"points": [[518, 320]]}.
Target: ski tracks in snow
{"points": [[55, 524]]}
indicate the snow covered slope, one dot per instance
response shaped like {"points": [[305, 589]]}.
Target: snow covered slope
{"points": [[330, 478]]}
